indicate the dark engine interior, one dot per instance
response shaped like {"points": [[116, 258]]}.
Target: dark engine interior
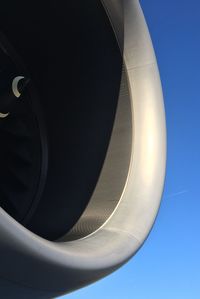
{"points": [[54, 141]]}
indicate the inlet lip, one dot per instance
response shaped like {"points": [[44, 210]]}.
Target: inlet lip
{"points": [[66, 266]]}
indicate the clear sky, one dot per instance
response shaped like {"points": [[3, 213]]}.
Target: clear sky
{"points": [[168, 265]]}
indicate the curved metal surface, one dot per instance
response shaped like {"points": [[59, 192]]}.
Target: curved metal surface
{"points": [[60, 267]]}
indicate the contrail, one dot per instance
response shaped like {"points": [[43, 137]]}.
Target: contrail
{"points": [[176, 194]]}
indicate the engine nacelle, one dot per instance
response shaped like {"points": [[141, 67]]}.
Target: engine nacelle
{"points": [[83, 142]]}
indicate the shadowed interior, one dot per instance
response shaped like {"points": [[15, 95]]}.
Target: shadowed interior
{"points": [[73, 59]]}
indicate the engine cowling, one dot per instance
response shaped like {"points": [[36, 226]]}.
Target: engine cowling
{"points": [[83, 144]]}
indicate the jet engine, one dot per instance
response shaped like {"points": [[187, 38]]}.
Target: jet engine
{"points": [[83, 142]]}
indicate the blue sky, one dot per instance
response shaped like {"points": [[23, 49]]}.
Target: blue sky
{"points": [[168, 265]]}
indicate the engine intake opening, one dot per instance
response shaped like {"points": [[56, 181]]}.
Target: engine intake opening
{"points": [[71, 55]]}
